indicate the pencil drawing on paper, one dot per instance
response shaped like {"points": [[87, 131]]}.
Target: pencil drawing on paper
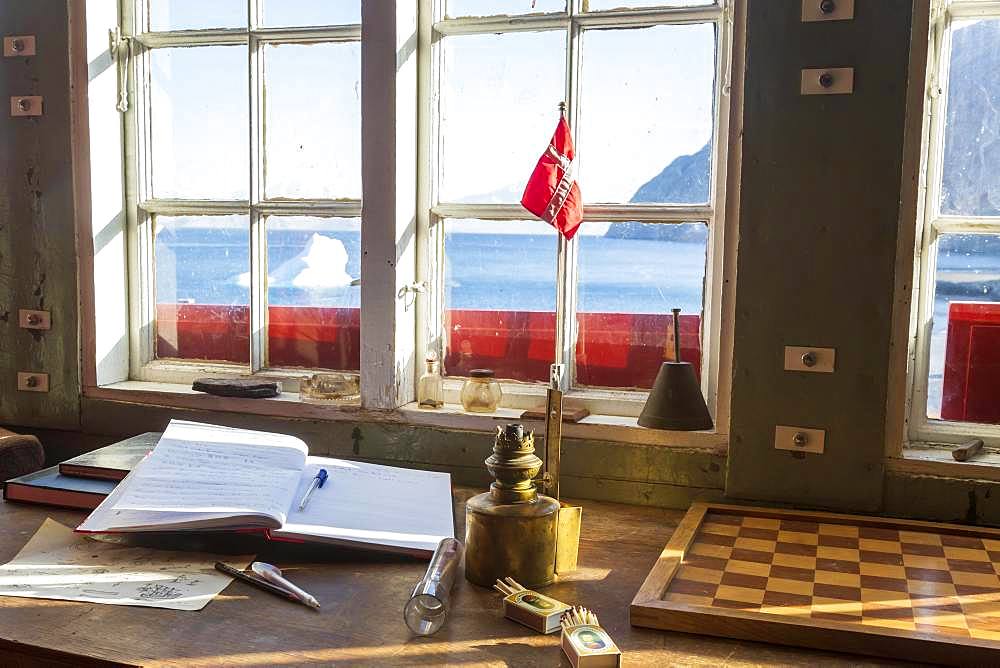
{"points": [[60, 564]]}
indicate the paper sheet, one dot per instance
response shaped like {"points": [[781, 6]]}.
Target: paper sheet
{"points": [[59, 564]]}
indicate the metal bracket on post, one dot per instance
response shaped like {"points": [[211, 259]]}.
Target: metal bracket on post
{"points": [[18, 46], [120, 48], [553, 428], [26, 105]]}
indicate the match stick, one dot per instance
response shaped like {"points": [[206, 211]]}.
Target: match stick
{"points": [[578, 616], [512, 583], [501, 587], [509, 587]]}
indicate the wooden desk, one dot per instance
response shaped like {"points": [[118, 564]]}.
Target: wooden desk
{"points": [[361, 620]]}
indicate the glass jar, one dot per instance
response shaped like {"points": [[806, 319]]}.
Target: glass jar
{"points": [[481, 392], [430, 394], [323, 388]]}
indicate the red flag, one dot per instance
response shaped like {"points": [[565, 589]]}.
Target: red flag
{"points": [[552, 193]]}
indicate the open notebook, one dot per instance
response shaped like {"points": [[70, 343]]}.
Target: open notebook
{"points": [[207, 477]]}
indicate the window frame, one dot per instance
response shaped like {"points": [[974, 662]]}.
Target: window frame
{"points": [[392, 119], [574, 21], [142, 206], [920, 429]]}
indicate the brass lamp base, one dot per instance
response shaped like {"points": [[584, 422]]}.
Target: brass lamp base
{"points": [[516, 540]]}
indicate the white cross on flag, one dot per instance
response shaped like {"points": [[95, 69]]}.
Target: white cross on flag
{"points": [[552, 193]]}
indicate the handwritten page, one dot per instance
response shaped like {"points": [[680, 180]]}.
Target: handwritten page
{"points": [[370, 503], [200, 470], [59, 564]]}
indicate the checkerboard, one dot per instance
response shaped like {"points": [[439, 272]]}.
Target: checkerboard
{"points": [[939, 583]]}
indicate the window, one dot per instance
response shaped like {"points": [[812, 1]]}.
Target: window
{"points": [[957, 351], [246, 182], [646, 87], [243, 145]]}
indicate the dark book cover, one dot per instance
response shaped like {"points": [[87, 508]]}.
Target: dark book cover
{"points": [[49, 487], [112, 462]]}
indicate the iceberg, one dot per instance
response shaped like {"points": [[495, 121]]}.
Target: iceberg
{"points": [[322, 265]]}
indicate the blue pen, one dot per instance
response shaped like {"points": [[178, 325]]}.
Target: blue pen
{"points": [[318, 481]]}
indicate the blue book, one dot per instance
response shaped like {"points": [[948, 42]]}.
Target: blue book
{"points": [[49, 487]]}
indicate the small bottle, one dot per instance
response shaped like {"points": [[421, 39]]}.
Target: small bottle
{"points": [[481, 392], [429, 391]]}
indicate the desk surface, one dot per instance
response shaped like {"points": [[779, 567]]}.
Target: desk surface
{"points": [[361, 620]]}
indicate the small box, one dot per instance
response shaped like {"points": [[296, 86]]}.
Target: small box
{"points": [[534, 610], [590, 646]]}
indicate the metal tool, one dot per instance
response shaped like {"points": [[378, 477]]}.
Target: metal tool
{"points": [[553, 429], [273, 575]]}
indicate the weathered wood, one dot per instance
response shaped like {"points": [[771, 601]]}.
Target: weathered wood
{"points": [[910, 204], [819, 214], [388, 230], [361, 622], [663, 571], [964, 453], [603, 470], [37, 237]]}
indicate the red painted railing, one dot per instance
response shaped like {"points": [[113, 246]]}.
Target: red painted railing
{"points": [[971, 384], [614, 349]]}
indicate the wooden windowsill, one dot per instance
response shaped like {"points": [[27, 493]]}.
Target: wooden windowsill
{"points": [[936, 460], [288, 405]]}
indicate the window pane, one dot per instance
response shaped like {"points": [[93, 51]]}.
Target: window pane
{"points": [[500, 298], [200, 122], [498, 110], [283, 13], [971, 171], [197, 14], [604, 5], [314, 313], [202, 287], [313, 129], [646, 115], [497, 7], [965, 339], [630, 276]]}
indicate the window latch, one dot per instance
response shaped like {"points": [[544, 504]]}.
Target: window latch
{"points": [[120, 49], [408, 293], [416, 288]]}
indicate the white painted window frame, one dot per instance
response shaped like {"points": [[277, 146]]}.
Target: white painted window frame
{"points": [[433, 213], [396, 138], [922, 430], [141, 205]]}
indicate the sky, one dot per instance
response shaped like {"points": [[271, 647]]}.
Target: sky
{"points": [[646, 97]]}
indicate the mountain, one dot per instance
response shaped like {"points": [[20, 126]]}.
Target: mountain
{"points": [[683, 181], [971, 183], [971, 174]]}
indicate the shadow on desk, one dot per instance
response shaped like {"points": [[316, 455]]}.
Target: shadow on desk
{"points": [[239, 543]]}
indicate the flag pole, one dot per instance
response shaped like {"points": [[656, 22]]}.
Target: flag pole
{"points": [[562, 109]]}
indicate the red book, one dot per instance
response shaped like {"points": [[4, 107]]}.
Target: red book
{"points": [[112, 462], [49, 487]]}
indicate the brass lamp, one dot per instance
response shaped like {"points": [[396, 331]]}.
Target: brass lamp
{"points": [[676, 402]]}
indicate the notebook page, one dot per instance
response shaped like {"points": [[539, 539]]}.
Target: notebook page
{"points": [[208, 470], [369, 503], [106, 517]]}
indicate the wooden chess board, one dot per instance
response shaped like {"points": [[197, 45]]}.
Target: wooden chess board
{"points": [[897, 588]]}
